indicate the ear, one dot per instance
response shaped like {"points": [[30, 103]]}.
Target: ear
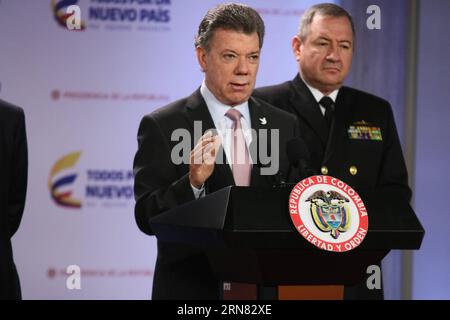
{"points": [[296, 47], [201, 57]]}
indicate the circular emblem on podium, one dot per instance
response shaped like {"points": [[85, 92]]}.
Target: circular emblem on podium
{"points": [[328, 213]]}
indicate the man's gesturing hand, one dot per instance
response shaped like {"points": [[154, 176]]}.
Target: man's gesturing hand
{"points": [[202, 159]]}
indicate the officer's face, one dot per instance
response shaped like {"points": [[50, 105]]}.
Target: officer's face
{"points": [[326, 54], [230, 65]]}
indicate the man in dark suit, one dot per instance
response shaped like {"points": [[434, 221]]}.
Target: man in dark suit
{"points": [[350, 134], [228, 46], [13, 186]]}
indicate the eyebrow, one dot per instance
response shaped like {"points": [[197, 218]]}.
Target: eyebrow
{"points": [[329, 40], [232, 51]]}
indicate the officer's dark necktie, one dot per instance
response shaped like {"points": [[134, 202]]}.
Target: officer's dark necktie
{"points": [[328, 104]]}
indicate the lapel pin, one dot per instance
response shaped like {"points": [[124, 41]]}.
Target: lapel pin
{"points": [[263, 121]]}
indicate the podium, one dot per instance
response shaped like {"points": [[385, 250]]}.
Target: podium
{"points": [[248, 236]]}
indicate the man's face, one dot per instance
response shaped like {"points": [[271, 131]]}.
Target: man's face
{"points": [[326, 54], [230, 65]]}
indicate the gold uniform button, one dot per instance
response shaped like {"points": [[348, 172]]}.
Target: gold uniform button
{"points": [[353, 170], [324, 170]]}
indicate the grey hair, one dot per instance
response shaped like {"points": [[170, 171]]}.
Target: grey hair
{"points": [[323, 9], [229, 16]]}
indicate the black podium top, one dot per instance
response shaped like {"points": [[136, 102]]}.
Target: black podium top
{"points": [[238, 217], [248, 236]]}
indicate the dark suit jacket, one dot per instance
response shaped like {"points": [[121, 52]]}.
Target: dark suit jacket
{"points": [[13, 186], [183, 272], [379, 164]]}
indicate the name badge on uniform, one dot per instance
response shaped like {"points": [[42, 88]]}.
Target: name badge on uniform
{"points": [[363, 130]]}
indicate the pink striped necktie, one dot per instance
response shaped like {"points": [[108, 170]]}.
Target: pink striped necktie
{"points": [[241, 165], [242, 169]]}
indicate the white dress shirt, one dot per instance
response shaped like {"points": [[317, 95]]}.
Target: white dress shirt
{"points": [[318, 95], [224, 125]]}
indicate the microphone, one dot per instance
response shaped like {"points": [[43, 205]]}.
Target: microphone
{"points": [[276, 180], [298, 156]]}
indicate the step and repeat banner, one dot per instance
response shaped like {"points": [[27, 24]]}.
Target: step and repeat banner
{"points": [[84, 93]]}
